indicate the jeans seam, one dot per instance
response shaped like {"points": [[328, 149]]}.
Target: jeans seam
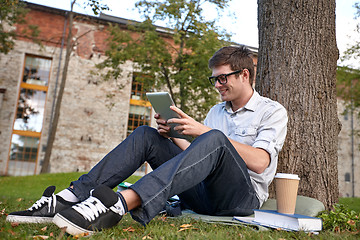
{"points": [[242, 170]]}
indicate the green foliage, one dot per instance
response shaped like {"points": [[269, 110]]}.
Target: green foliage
{"points": [[348, 85], [173, 58], [95, 5], [340, 219], [11, 13]]}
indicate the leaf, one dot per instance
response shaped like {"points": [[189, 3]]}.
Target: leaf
{"points": [[44, 229], [186, 226], [146, 237], [19, 199], [40, 237], [183, 229], [81, 235], [129, 229], [351, 222], [14, 224]]}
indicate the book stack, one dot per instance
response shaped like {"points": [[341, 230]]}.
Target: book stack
{"points": [[288, 222]]}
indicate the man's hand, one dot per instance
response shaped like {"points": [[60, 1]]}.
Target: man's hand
{"points": [[187, 125], [162, 128]]}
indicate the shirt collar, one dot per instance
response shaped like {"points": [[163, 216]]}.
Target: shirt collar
{"points": [[250, 105]]}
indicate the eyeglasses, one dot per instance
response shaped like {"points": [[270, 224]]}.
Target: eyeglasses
{"points": [[222, 78]]}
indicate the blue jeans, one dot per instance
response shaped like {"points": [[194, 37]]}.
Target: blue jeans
{"points": [[210, 177]]}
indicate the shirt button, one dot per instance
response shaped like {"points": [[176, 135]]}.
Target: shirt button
{"points": [[233, 115], [243, 132]]}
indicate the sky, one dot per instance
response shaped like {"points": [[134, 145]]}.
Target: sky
{"points": [[240, 18]]}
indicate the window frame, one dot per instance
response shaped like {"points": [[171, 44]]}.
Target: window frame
{"points": [[26, 133]]}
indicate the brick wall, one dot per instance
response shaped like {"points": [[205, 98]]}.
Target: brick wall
{"points": [[87, 129]]}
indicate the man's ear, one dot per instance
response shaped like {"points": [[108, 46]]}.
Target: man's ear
{"points": [[246, 75]]}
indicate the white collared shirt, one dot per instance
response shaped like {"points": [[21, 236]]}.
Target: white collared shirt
{"points": [[261, 123]]}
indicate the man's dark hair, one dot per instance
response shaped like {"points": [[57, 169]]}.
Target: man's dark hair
{"points": [[238, 57]]}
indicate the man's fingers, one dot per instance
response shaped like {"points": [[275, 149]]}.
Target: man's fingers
{"points": [[179, 111], [177, 120], [161, 121]]}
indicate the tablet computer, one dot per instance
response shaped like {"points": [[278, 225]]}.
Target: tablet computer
{"points": [[161, 102]]}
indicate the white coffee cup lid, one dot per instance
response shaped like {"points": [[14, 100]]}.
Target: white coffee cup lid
{"points": [[287, 175]]}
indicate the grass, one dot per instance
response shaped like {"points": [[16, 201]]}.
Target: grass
{"points": [[17, 193], [352, 203]]}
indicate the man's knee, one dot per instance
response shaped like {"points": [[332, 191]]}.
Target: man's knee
{"points": [[144, 129], [216, 136], [146, 132]]}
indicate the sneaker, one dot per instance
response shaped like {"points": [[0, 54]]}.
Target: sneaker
{"points": [[103, 209], [43, 210]]}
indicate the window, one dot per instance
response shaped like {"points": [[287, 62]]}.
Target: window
{"points": [[140, 108], [29, 116], [346, 115], [347, 177], [140, 111]]}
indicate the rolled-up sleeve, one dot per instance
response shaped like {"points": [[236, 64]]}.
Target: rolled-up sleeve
{"points": [[272, 130]]}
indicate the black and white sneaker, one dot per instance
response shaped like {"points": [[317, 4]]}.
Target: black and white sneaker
{"points": [[43, 210], [103, 209]]}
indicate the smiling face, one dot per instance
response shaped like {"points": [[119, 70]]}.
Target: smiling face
{"points": [[237, 90]]}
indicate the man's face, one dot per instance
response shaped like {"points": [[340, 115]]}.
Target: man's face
{"points": [[233, 88]]}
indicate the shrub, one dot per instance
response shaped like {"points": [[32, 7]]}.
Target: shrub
{"points": [[340, 219]]}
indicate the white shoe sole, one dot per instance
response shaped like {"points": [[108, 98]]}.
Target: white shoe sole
{"points": [[28, 219], [71, 228]]}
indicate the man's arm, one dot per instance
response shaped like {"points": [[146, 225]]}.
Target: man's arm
{"points": [[256, 159]]}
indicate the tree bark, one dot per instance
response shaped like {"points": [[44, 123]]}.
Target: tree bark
{"points": [[297, 67]]}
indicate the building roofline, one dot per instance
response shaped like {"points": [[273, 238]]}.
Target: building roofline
{"points": [[105, 18]]}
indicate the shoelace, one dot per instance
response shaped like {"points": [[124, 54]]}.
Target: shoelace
{"points": [[91, 208], [39, 203]]}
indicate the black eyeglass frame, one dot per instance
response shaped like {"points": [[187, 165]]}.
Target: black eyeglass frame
{"points": [[213, 79]]}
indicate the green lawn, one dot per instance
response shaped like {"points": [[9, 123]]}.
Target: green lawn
{"points": [[17, 193], [352, 203]]}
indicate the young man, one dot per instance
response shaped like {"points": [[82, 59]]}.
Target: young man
{"points": [[226, 170]]}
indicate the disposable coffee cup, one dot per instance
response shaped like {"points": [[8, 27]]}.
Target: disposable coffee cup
{"points": [[286, 192]]}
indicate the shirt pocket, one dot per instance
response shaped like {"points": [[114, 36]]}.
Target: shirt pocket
{"points": [[246, 135]]}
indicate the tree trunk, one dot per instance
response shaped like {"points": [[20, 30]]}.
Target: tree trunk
{"points": [[297, 67], [46, 163]]}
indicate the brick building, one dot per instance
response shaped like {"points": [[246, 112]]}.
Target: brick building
{"points": [[87, 129], [29, 77]]}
